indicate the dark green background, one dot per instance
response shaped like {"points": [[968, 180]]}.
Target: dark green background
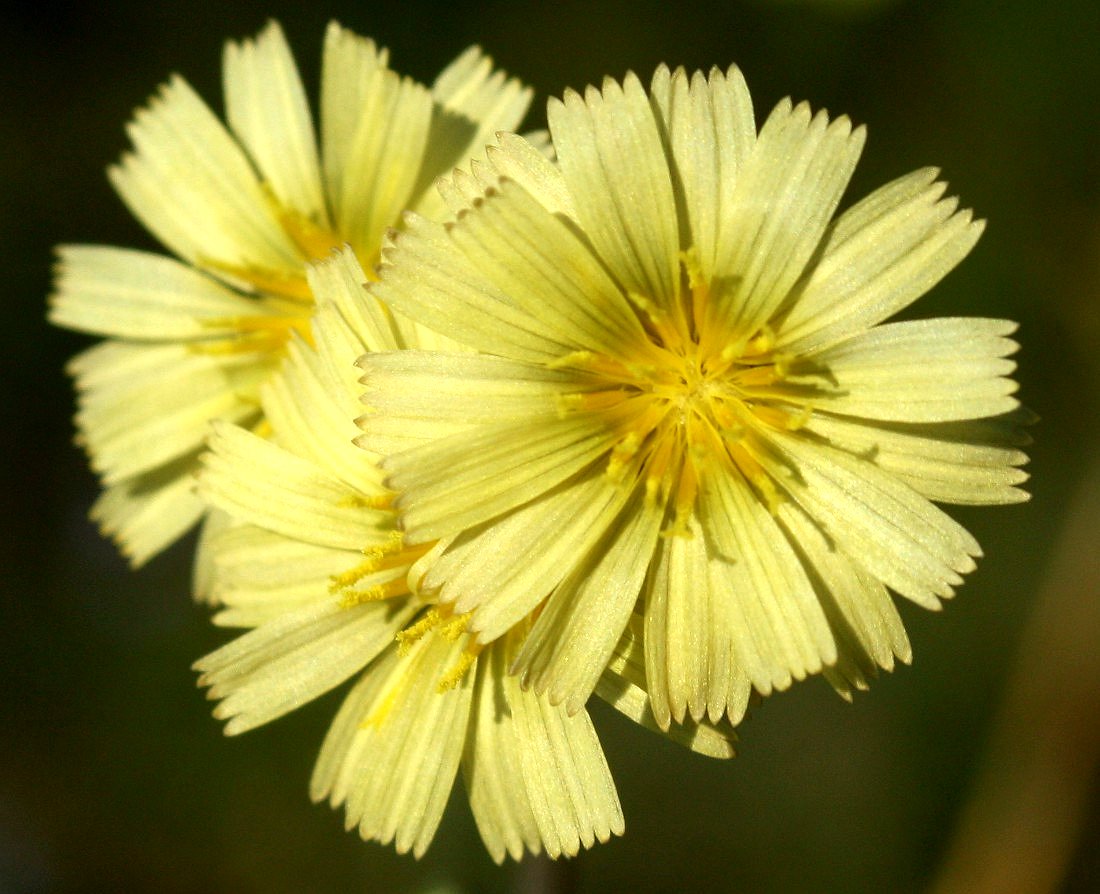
{"points": [[113, 776]]}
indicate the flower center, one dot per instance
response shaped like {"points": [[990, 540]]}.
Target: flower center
{"points": [[283, 298], [690, 398]]}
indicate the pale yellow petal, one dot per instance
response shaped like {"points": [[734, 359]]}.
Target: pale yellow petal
{"points": [[610, 152], [260, 575], [880, 256], [146, 513], [862, 615], [296, 657], [882, 525], [550, 275], [139, 295], [460, 390], [503, 569], [266, 106], [492, 768], [204, 586], [520, 160], [341, 282], [428, 278], [375, 129], [143, 405], [779, 630], [967, 462], [463, 480], [265, 485], [191, 184], [313, 401], [920, 371], [708, 125], [576, 633], [625, 687], [785, 194], [472, 102], [401, 763], [568, 783]]}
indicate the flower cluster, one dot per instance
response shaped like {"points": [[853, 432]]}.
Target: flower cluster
{"points": [[497, 429]]}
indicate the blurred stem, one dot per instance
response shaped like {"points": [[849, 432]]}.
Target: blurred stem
{"points": [[1023, 819], [541, 875]]}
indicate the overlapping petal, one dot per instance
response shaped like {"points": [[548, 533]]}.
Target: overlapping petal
{"points": [[741, 452], [245, 205]]}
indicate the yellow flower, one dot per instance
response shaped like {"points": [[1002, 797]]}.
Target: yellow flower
{"points": [[244, 208], [315, 562], [685, 401]]}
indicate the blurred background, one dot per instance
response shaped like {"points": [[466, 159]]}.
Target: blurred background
{"points": [[972, 770]]}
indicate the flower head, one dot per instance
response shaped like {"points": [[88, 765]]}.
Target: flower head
{"points": [[315, 563], [685, 401], [244, 208]]}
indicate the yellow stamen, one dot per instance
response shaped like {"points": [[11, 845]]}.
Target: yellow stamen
{"points": [[686, 491], [590, 401], [622, 453], [289, 284], [373, 555], [760, 343], [362, 501], [659, 320], [314, 241], [465, 661], [452, 628], [414, 632], [754, 472], [381, 711], [396, 587]]}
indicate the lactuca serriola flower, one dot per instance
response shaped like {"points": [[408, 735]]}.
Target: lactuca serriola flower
{"points": [[243, 206], [313, 560], [686, 400]]}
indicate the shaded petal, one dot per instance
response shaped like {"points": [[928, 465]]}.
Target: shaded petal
{"points": [[610, 151], [394, 748], [260, 575], [862, 616], [783, 199], [146, 513], [569, 785], [144, 405], [520, 160], [881, 524], [537, 776], [577, 631], [428, 278], [549, 274], [265, 485], [691, 666], [779, 630], [880, 255], [967, 462], [193, 187], [472, 102], [340, 282], [203, 573], [265, 105], [374, 133], [503, 569], [313, 401], [624, 687], [139, 295], [921, 371], [293, 659], [469, 478], [709, 129]]}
